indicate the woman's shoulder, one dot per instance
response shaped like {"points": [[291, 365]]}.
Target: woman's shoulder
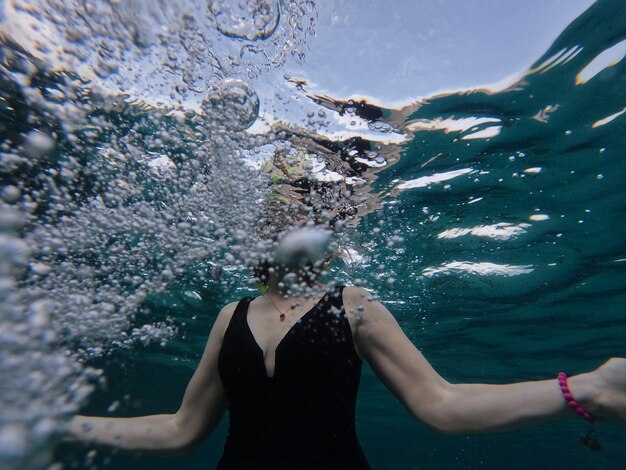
{"points": [[363, 304], [357, 300], [356, 294], [228, 310], [224, 316]]}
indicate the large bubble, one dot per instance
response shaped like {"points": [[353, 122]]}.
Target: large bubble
{"points": [[231, 103], [251, 20]]}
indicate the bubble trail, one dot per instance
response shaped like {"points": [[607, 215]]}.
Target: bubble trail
{"points": [[107, 194]]}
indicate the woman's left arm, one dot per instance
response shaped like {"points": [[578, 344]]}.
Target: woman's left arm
{"points": [[472, 408]]}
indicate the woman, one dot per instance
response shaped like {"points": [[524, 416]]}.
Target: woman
{"points": [[288, 368]]}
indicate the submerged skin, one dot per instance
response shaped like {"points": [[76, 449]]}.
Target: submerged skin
{"points": [[448, 408]]}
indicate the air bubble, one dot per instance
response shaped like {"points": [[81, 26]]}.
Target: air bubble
{"points": [[251, 20], [13, 441], [11, 194], [231, 103], [37, 144]]}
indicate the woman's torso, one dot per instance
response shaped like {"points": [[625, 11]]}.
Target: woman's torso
{"points": [[303, 416]]}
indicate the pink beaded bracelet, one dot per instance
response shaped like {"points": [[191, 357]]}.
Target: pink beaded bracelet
{"points": [[589, 439], [571, 401]]}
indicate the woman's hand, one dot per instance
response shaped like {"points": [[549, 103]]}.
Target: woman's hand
{"points": [[610, 398]]}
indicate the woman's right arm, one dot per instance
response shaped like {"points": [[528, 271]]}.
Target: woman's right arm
{"points": [[472, 408], [201, 410]]}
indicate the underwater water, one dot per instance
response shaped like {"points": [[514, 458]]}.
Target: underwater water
{"points": [[491, 221]]}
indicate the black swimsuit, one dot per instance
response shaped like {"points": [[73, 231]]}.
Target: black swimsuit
{"points": [[303, 416]]}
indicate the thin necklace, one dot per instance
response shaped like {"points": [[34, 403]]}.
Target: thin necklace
{"points": [[282, 315]]}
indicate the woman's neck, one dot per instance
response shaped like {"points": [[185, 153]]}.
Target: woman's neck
{"points": [[279, 285]]}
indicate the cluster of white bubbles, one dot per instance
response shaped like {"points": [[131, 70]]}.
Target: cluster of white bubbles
{"points": [[170, 48], [103, 201]]}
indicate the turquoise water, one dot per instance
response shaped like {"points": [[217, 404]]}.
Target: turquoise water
{"points": [[512, 265]]}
